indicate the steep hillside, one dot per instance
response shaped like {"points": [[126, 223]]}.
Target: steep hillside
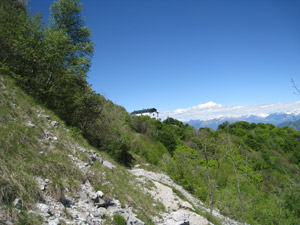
{"points": [[294, 123], [49, 170], [50, 174], [68, 155]]}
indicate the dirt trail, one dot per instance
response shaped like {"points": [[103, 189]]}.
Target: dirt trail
{"points": [[179, 211]]}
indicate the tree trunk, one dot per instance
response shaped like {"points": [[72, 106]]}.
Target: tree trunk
{"points": [[239, 191]]}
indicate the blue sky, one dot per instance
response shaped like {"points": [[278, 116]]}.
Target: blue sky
{"points": [[178, 54]]}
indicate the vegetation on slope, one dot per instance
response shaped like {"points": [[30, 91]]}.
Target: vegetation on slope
{"points": [[295, 124], [27, 154], [51, 64], [250, 172]]}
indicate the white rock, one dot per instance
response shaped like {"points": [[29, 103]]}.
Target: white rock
{"points": [[30, 124], [180, 217], [100, 194], [196, 219], [81, 149], [54, 124], [96, 212], [41, 183], [42, 207], [93, 195], [108, 165], [54, 222]]}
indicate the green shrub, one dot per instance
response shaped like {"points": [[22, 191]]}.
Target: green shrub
{"points": [[119, 220]]}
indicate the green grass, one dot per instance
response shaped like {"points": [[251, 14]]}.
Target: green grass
{"points": [[119, 220], [24, 156]]}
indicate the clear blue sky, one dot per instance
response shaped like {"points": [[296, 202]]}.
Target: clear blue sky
{"points": [[172, 54]]}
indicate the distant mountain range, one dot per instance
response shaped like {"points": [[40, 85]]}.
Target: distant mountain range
{"points": [[278, 119], [292, 124]]}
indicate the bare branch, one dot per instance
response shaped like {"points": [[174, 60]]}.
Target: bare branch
{"points": [[296, 87]]}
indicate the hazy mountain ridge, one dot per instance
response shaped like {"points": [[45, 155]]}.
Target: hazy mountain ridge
{"points": [[295, 124], [273, 118]]}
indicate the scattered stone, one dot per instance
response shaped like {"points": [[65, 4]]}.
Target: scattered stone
{"points": [[54, 222], [30, 124], [100, 194], [108, 165], [93, 195], [67, 201], [84, 167], [100, 203], [42, 207], [1, 84], [180, 212], [81, 149], [40, 111], [94, 156], [41, 114], [54, 124], [42, 183], [180, 217], [48, 136], [17, 203], [96, 212], [107, 202]]}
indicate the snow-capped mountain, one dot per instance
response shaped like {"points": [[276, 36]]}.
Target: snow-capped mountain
{"points": [[273, 118]]}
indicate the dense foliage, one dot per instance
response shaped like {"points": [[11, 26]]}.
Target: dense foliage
{"points": [[250, 172], [51, 63]]}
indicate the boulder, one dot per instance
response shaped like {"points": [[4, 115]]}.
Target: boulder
{"points": [[180, 217], [42, 183], [108, 165], [30, 124], [100, 194], [67, 201], [55, 221], [42, 207], [54, 124], [81, 149], [93, 195]]}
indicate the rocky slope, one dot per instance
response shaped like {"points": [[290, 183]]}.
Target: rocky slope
{"points": [[49, 175], [180, 210]]}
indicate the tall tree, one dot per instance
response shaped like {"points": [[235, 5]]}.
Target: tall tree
{"points": [[66, 16], [213, 156]]}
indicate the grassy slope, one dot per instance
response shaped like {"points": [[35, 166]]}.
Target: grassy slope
{"points": [[25, 155]]}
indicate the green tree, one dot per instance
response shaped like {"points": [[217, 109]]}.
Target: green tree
{"points": [[66, 16]]}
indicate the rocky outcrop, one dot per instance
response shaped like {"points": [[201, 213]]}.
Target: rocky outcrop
{"points": [[87, 206], [180, 212]]}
